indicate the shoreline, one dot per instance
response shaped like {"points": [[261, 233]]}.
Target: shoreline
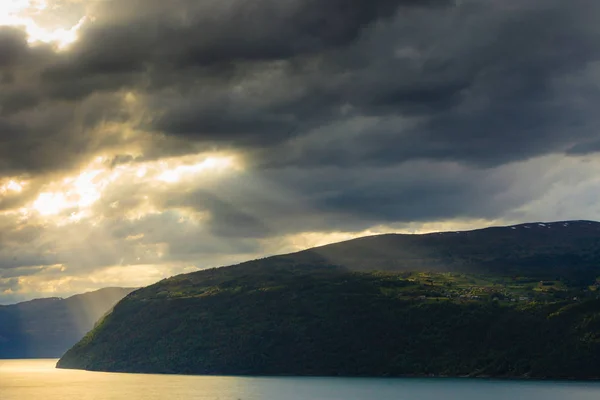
{"points": [[406, 376]]}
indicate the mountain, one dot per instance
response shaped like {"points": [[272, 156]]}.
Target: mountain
{"points": [[46, 328], [568, 249], [517, 301]]}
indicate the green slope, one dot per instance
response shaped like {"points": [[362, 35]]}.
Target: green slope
{"points": [[299, 315]]}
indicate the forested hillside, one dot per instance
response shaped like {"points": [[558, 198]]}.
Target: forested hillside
{"points": [[480, 315]]}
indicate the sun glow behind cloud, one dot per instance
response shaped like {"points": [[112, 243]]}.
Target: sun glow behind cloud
{"points": [[24, 13], [74, 218], [180, 172], [75, 195], [11, 186]]}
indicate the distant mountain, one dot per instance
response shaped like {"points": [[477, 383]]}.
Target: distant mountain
{"points": [[518, 301], [46, 328]]}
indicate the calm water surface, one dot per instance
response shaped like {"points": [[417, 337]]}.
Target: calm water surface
{"points": [[38, 380]]}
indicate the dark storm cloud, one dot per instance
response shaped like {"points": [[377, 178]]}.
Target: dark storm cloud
{"points": [[481, 82], [52, 135], [478, 85], [305, 88], [151, 46], [140, 34], [13, 43], [484, 82], [38, 132], [291, 201], [228, 217]]}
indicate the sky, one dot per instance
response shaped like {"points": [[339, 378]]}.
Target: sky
{"points": [[140, 139]]}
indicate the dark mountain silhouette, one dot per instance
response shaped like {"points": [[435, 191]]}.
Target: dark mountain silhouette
{"points": [[46, 328]]}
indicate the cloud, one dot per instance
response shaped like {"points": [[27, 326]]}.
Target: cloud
{"points": [[477, 82], [483, 82], [187, 134], [184, 33]]}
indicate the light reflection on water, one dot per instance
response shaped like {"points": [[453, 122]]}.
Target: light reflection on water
{"points": [[38, 380]]}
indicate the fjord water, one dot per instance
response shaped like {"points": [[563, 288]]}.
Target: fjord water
{"points": [[39, 380]]}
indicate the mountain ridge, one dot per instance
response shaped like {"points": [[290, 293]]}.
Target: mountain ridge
{"points": [[500, 302], [443, 251], [47, 327], [58, 298]]}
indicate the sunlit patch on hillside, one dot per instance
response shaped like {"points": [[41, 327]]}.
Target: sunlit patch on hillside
{"points": [[25, 14]]}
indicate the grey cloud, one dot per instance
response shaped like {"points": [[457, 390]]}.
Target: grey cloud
{"points": [[52, 136], [585, 148], [140, 33], [490, 88], [227, 215], [291, 201], [39, 133], [347, 115], [13, 43], [22, 246], [7, 274], [485, 83]]}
